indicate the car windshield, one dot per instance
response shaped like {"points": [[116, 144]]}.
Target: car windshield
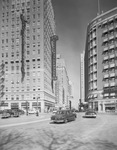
{"points": [[60, 112], [89, 112]]}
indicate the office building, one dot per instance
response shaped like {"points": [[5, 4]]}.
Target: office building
{"points": [[28, 54], [62, 87], [101, 62], [82, 84]]}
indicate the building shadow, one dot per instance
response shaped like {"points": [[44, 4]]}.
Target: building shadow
{"points": [[13, 140], [50, 140]]}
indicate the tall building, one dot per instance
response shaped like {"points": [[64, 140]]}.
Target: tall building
{"points": [[70, 88], [28, 53], [71, 97], [101, 62], [62, 84], [82, 84]]}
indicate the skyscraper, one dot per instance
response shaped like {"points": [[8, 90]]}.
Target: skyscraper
{"points": [[28, 53], [101, 62], [62, 86], [82, 87]]}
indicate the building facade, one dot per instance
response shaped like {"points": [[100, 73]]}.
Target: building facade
{"points": [[101, 62], [82, 85], [71, 97], [28, 53], [62, 83]]}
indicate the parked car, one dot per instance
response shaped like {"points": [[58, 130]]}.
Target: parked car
{"points": [[90, 114], [21, 112], [16, 113], [54, 111], [74, 112], [6, 113], [63, 116], [31, 111]]}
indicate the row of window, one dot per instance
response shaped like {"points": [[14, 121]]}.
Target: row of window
{"points": [[19, 90], [18, 98]]}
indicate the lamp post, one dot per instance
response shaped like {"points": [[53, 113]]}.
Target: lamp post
{"points": [[27, 108], [37, 113]]}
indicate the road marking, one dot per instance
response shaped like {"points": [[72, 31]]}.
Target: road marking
{"points": [[23, 123]]}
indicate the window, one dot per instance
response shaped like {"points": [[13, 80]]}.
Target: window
{"points": [[2, 41], [33, 66], [28, 67], [33, 37], [6, 40], [17, 67], [2, 54], [6, 54], [28, 73], [33, 16], [12, 68], [28, 52]]}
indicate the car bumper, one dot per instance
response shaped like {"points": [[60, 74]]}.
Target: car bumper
{"points": [[90, 116], [58, 121]]}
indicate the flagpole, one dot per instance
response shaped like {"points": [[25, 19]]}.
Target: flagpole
{"points": [[98, 7]]}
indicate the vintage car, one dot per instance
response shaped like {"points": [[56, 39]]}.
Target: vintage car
{"points": [[10, 113], [6, 113], [16, 113], [90, 114], [74, 112], [63, 116], [31, 111]]}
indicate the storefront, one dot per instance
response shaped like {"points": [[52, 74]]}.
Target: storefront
{"points": [[110, 107], [49, 106], [36, 106]]}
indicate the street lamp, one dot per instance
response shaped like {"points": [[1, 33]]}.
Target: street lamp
{"points": [[37, 113], [27, 108]]}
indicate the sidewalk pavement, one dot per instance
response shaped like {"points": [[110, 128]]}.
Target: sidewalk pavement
{"points": [[24, 118]]}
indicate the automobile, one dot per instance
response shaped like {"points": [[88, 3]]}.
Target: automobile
{"points": [[21, 112], [90, 114], [16, 113], [54, 111], [31, 111], [74, 112], [6, 113], [63, 116]]}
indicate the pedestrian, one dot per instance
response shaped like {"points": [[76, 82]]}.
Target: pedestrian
{"points": [[37, 113]]}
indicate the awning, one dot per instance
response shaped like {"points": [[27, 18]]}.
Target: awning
{"points": [[104, 22], [110, 105]]}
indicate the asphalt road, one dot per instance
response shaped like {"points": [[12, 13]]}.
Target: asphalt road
{"points": [[39, 133]]}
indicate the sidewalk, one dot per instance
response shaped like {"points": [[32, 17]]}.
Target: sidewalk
{"points": [[24, 118]]}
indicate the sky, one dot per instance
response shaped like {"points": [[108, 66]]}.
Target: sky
{"points": [[72, 18]]}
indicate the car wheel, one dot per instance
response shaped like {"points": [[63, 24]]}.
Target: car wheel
{"points": [[65, 121], [74, 118]]}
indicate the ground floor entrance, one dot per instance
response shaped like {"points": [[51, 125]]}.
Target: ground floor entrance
{"points": [[41, 106], [103, 106]]}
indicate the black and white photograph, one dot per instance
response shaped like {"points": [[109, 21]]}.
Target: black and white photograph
{"points": [[58, 74]]}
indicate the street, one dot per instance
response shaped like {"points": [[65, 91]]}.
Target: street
{"points": [[39, 133]]}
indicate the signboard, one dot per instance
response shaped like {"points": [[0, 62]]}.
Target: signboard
{"points": [[53, 40]]}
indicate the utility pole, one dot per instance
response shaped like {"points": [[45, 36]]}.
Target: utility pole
{"points": [[23, 21]]}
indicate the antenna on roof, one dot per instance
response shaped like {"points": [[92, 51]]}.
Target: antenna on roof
{"points": [[98, 8]]}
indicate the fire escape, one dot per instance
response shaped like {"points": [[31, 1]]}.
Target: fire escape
{"points": [[53, 40], [23, 21], [2, 86]]}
